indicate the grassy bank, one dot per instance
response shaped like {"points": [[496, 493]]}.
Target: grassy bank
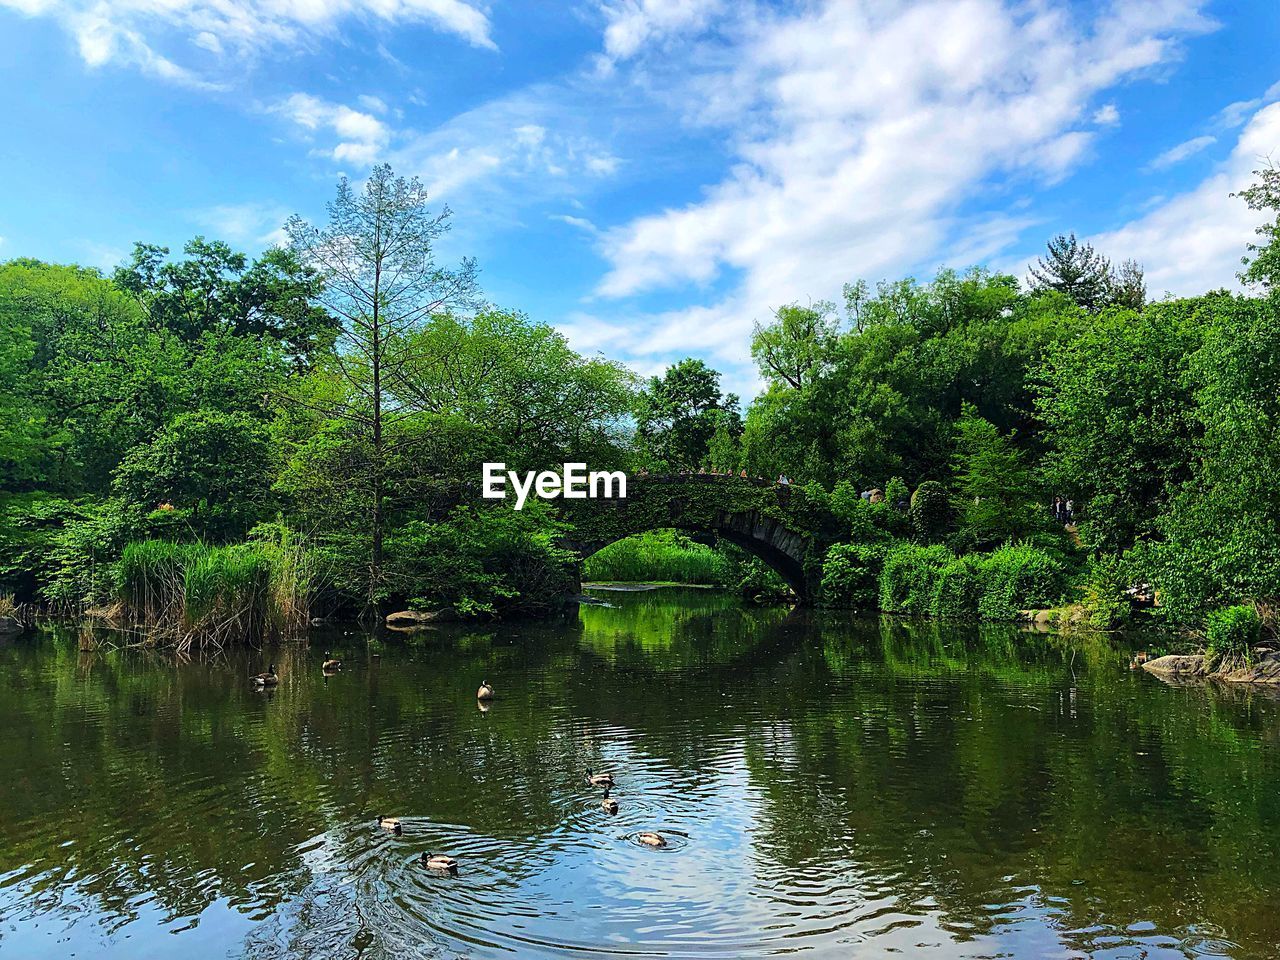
{"points": [[661, 556]]}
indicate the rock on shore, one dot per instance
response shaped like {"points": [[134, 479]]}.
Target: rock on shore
{"points": [[1264, 669]]}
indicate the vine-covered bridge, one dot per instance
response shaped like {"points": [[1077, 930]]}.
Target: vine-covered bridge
{"points": [[776, 522]]}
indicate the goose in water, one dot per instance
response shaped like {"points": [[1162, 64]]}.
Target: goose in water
{"points": [[438, 861], [391, 823], [599, 779], [268, 679]]}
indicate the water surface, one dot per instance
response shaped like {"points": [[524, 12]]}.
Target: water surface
{"points": [[828, 786]]}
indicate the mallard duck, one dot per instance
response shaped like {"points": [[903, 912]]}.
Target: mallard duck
{"points": [[268, 679], [608, 804], [438, 861], [599, 779], [391, 823], [651, 839], [330, 664], [485, 692]]}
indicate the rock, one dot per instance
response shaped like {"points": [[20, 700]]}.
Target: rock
{"points": [[1177, 666], [419, 618], [9, 625], [1264, 669]]}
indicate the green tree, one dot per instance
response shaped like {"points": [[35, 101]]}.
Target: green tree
{"points": [[1262, 265], [216, 289], [1073, 269], [213, 469], [376, 258], [995, 492], [1119, 420], [678, 414], [794, 348]]}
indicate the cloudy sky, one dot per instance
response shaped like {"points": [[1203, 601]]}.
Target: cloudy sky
{"points": [[653, 176]]}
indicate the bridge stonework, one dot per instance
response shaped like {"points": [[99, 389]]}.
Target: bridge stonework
{"points": [[778, 523]]}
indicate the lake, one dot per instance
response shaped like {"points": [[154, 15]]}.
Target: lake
{"points": [[829, 786]]}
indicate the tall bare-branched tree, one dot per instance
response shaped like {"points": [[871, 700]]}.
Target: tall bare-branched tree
{"points": [[382, 281]]}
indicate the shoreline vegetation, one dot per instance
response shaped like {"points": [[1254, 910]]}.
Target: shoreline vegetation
{"points": [[216, 449]]}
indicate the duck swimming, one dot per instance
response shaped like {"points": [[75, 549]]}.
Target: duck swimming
{"points": [[391, 823], [599, 779], [330, 665], [485, 692], [609, 805], [650, 839], [438, 861]]}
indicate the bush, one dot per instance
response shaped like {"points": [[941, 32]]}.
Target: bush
{"points": [[1106, 607], [1018, 578], [930, 511], [851, 574], [909, 577], [1231, 634], [957, 589]]}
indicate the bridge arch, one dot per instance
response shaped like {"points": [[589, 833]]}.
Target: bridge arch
{"points": [[774, 522]]}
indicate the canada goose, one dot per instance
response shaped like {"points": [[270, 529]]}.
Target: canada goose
{"points": [[391, 823], [330, 664], [608, 804], [268, 679], [599, 779], [485, 692], [651, 839], [438, 861]]}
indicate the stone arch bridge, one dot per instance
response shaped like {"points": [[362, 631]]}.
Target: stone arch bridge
{"points": [[779, 523]]}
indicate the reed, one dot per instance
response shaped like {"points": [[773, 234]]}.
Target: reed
{"points": [[193, 594]]}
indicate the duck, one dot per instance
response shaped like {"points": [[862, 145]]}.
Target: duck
{"points": [[650, 839], [268, 679], [330, 664], [608, 804], [438, 861], [599, 779], [390, 823], [485, 692]]}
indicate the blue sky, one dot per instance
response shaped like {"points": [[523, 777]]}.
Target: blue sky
{"points": [[653, 176]]}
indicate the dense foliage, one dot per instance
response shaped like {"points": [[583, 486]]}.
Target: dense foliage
{"points": [[343, 392]]}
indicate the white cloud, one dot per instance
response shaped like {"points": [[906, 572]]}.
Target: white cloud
{"points": [[1192, 242], [1176, 154], [361, 137], [1108, 115], [128, 32], [508, 152], [861, 131], [1234, 114], [631, 24], [245, 224]]}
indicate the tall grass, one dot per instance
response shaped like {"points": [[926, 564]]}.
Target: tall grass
{"points": [[659, 556], [196, 594]]}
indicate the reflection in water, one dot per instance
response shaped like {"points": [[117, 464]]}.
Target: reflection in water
{"points": [[841, 787]]}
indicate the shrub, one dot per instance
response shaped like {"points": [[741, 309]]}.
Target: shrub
{"points": [[1231, 634], [909, 576], [851, 574], [1017, 578], [930, 511], [957, 589], [895, 491], [1106, 607]]}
